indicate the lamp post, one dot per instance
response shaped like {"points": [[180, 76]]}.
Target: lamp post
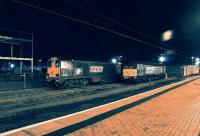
{"points": [[39, 63], [192, 60], [39, 66], [166, 37]]}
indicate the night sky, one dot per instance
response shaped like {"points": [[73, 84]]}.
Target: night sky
{"points": [[58, 36]]}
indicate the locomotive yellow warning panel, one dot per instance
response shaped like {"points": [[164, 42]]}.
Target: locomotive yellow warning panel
{"points": [[129, 72], [53, 69]]}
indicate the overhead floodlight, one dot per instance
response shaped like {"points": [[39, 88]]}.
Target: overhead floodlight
{"points": [[114, 60], [197, 59], [161, 59], [197, 63]]}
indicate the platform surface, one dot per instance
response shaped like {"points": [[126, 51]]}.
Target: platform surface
{"points": [[170, 110]]}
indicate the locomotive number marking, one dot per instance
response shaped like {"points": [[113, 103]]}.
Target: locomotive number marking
{"points": [[96, 69]]}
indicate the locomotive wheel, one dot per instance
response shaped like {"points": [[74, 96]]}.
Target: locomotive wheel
{"points": [[85, 82], [55, 86], [70, 83]]}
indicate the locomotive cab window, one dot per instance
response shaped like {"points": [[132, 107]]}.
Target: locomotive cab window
{"points": [[57, 63]]}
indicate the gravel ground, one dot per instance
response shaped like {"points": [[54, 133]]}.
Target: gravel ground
{"points": [[24, 107]]}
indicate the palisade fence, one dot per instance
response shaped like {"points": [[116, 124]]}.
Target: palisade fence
{"points": [[19, 77], [21, 81]]}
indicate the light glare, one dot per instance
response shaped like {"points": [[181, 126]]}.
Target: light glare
{"points": [[166, 36], [161, 59], [114, 60], [12, 65]]}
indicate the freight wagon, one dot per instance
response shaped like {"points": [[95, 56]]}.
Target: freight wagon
{"points": [[142, 72], [192, 70], [63, 72], [182, 71]]}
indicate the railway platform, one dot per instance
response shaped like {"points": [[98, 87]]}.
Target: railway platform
{"points": [[170, 110]]}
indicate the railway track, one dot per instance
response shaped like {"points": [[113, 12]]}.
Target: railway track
{"points": [[12, 104], [24, 107]]}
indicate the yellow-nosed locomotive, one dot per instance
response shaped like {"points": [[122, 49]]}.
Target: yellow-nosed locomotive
{"points": [[142, 73]]}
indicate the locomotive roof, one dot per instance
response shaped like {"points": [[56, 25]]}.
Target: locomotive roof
{"points": [[143, 63], [82, 61]]}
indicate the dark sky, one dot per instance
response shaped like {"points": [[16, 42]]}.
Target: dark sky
{"points": [[58, 36]]}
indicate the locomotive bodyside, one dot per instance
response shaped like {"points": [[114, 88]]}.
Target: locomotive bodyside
{"points": [[73, 72], [141, 72]]}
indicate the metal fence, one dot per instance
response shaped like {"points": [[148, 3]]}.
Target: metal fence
{"points": [[21, 77], [21, 81]]}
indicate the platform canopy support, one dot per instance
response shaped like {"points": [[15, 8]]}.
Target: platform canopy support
{"points": [[19, 39]]}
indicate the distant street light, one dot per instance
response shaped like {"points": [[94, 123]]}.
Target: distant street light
{"points": [[12, 66], [167, 35]]}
